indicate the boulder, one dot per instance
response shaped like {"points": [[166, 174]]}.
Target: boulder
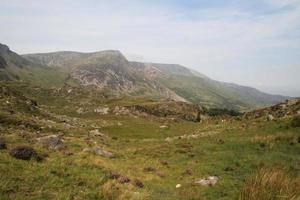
{"points": [[102, 111], [209, 181], [99, 151], [52, 141], [270, 117], [96, 133]]}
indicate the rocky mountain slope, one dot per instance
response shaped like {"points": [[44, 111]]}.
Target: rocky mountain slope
{"points": [[110, 72]]}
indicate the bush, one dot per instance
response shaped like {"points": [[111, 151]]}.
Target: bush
{"points": [[220, 111], [24, 153], [295, 122], [2, 143], [271, 184]]}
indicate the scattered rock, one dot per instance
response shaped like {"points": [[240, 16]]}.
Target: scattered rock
{"points": [[163, 126], [270, 117], [101, 111], [191, 136], [119, 124], [188, 172], [209, 181], [68, 153], [114, 175], [2, 144], [178, 185], [52, 141], [220, 141], [24, 153], [149, 169], [227, 169], [123, 179], [96, 133], [80, 110], [99, 151], [165, 163], [160, 174], [138, 183]]}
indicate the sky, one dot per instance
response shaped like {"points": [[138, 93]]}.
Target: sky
{"points": [[254, 43]]}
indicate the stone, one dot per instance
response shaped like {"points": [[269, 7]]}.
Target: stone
{"points": [[209, 181], [102, 111], [270, 117], [114, 175], [123, 180], [51, 141], [80, 110], [99, 151], [178, 186], [97, 133]]}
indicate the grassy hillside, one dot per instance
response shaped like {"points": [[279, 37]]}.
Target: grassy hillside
{"points": [[153, 158], [211, 93]]}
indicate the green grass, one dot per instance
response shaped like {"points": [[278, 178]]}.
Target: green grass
{"points": [[232, 150]]}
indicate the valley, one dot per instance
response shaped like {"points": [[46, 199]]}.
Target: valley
{"points": [[97, 126]]}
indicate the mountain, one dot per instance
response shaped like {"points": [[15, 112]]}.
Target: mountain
{"points": [[110, 72]]}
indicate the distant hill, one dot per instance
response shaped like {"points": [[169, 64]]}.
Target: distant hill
{"points": [[110, 72]]}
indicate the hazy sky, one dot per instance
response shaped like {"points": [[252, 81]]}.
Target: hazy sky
{"points": [[255, 42]]}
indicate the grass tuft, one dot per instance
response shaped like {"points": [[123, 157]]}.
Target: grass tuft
{"points": [[271, 184]]}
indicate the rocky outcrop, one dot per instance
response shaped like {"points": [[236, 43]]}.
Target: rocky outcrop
{"points": [[288, 108]]}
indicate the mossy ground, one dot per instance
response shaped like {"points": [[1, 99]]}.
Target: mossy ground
{"points": [[231, 150]]}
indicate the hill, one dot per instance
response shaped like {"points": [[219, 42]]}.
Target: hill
{"points": [[69, 142], [110, 72]]}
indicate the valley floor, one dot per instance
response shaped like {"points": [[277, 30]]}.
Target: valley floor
{"points": [[142, 158]]}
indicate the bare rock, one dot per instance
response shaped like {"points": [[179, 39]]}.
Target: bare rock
{"points": [[52, 141], [101, 111], [97, 133], [123, 179], [270, 117], [209, 181], [99, 151]]}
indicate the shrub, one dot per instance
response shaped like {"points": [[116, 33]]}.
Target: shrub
{"points": [[295, 122], [220, 112], [271, 184], [2, 143], [24, 153]]}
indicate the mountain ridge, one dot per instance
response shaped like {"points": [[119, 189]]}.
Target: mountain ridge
{"points": [[110, 71]]}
